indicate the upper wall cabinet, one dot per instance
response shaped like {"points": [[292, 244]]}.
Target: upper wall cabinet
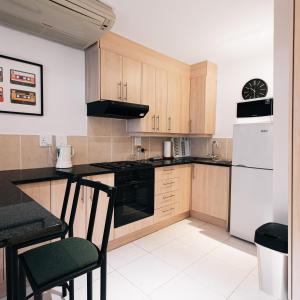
{"points": [[203, 96], [111, 76]]}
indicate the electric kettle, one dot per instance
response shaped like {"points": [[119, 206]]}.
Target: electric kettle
{"points": [[64, 156]]}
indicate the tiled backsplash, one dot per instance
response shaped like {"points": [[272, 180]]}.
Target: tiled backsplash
{"points": [[107, 140]]}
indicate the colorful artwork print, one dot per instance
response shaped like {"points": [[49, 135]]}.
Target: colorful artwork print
{"points": [[21, 86], [22, 78], [23, 97], [1, 94]]}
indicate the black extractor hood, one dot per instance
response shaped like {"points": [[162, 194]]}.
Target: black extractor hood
{"points": [[116, 109]]}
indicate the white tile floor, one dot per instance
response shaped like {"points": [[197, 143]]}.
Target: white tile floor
{"points": [[189, 260]]}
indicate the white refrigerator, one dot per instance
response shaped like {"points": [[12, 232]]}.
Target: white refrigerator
{"points": [[251, 182]]}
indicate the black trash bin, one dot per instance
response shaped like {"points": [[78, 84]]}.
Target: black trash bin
{"points": [[271, 240]]}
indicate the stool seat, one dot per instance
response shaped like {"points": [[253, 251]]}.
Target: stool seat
{"points": [[58, 260]]}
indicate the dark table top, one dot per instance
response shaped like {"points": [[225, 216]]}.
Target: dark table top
{"points": [[22, 218]]}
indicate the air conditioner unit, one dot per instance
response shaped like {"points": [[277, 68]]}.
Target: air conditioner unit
{"points": [[75, 23]]}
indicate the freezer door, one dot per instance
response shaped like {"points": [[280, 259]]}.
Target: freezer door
{"points": [[253, 145], [251, 201]]}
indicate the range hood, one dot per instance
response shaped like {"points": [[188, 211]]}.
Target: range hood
{"points": [[116, 109]]}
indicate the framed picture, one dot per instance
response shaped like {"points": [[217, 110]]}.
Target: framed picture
{"points": [[21, 86]]}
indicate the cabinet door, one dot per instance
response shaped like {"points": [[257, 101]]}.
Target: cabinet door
{"points": [[185, 105], [57, 197], [174, 96], [39, 191], [148, 123], [132, 74], [161, 96], [210, 190], [197, 105], [111, 75], [101, 210], [184, 195]]}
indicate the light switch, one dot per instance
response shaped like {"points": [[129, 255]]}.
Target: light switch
{"points": [[137, 141], [61, 140], [46, 140]]}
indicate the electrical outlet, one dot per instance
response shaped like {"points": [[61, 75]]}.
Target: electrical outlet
{"points": [[61, 140], [137, 141], [45, 140]]}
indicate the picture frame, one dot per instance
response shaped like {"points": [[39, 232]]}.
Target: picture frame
{"points": [[21, 87]]}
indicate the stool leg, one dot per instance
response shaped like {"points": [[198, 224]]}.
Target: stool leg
{"points": [[71, 291], [38, 297], [22, 283], [103, 274], [64, 291], [89, 286]]}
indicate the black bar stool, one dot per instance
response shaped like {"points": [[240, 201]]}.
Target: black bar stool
{"points": [[59, 263]]}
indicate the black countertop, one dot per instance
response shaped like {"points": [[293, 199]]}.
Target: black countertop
{"points": [[20, 215]]}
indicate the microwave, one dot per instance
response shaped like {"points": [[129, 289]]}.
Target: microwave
{"points": [[255, 108]]}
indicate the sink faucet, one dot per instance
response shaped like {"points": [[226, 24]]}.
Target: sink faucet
{"points": [[214, 146]]}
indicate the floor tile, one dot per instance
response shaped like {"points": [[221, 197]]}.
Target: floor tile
{"points": [[184, 287], [178, 255], [155, 240], [234, 257], [148, 273], [122, 256], [217, 275], [249, 290]]}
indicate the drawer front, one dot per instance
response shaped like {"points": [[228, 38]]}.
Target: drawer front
{"points": [[165, 199], [165, 173], [163, 213], [166, 185]]}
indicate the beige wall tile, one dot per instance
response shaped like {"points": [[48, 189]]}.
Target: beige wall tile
{"points": [[34, 156], [122, 148], [229, 149], [99, 149], [157, 146], [9, 152], [80, 145], [99, 126], [118, 127], [199, 147]]}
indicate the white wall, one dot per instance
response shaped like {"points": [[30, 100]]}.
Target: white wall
{"points": [[283, 55], [232, 75], [64, 86]]}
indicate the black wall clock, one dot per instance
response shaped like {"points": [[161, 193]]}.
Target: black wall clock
{"points": [[255, 88]]}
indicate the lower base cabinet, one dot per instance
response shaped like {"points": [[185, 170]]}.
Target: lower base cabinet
{"points": [[210, 194]]}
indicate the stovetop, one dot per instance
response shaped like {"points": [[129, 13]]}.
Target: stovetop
{"points": [[123, 165]]}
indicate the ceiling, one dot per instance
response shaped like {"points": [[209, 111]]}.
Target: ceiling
{"points": [[195, 30]]}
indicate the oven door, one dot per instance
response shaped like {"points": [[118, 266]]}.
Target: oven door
{"points": [[135, 201]]}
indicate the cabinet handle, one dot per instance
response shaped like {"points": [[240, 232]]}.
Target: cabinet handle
{"points": [[164, 211], [168, 170], [169, 197], [169, 183], [153, 122], [157, 124], [120, 90], [169, 121], [126, 90], [190, 125], [193, 172]]}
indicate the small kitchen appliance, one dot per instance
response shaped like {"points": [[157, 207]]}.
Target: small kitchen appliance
{"points": [[64, 156]]}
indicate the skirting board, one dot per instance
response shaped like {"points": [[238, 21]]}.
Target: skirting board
{"points": [[210, 219], [145, 231]]}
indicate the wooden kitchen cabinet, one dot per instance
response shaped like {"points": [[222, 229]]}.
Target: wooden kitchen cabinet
{"points": [[39, 191], [185, 105], [210, 193], [111, 76], [172, 191], [203, 97], [154, 92], [57, 197], [101, 209]]}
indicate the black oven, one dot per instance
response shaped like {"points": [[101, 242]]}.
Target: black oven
{"points": [[135, 195]]}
